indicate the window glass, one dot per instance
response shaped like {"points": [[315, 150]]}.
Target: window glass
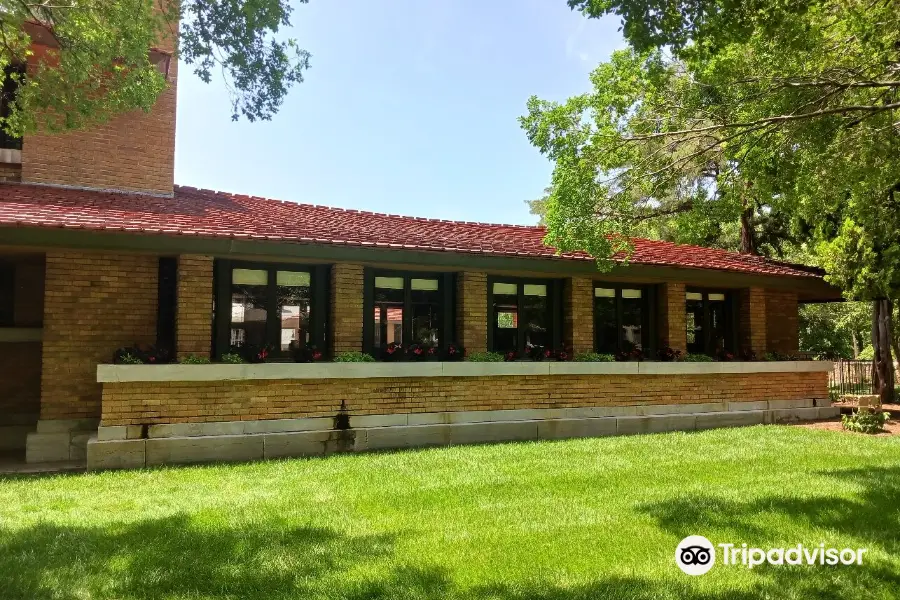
{"points": [[717, 333], [407, 310], [506, 317], [694, 317], [605, 329], [293, 303], [708, 322], [632, 319], [535, 316], [619, 315], [249, 291]]}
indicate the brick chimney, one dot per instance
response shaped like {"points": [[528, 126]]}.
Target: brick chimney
{"points": [[134, 151]]}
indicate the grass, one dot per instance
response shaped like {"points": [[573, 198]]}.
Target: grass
{"points": [[582, 519]]}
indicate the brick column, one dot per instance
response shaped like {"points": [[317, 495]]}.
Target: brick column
{"points": [[578, 298], [753, 320], [347, 307], [782, 322], [94, 303], [471, 311], [193, 319], [672, 322]]}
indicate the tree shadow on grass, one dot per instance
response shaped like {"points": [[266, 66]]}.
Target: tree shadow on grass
{"points": [[178, 557], [873, 516]]}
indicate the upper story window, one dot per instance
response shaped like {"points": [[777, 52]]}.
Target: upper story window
{"points": [[279, 307], [522, 314], [621, 318], [709, 321], [407, 308]]}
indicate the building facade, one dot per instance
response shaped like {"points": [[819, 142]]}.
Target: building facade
{"points": [[100, 250]]}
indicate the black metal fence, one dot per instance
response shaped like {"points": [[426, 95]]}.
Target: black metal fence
{"points": [[850, 377]]}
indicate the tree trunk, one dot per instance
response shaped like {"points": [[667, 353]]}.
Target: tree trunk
{"points": [[883, 366], [895, 338], [855, 345], [748, 243]]}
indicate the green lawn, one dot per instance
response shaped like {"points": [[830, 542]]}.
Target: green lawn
{"points": [[580, 519]]}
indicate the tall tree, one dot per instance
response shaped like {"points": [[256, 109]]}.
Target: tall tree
{"points": [[95, 60], [794, 104]]}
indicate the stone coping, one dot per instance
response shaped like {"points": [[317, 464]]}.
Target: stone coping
{"points": [[21, 334], [227, 372]]}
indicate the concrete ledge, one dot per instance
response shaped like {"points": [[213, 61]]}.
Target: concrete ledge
{"points": [[125, 453], [223, 372], [59, 440]]}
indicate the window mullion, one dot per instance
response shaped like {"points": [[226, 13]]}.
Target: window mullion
{"points": [[520, 322], [273, 314]]}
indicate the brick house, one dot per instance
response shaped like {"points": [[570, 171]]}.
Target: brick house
{"points": [[99, 250]]}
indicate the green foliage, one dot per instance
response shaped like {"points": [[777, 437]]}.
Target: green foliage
{"points": [[594, 357], [780, 113], [867, 353], [126, 358], [865, 421], [834, 329], [99, 62], [232, 358], [353, 357], [698, 358], [485, 357], [192, 359]]}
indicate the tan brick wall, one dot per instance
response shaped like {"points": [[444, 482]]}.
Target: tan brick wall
{"points": [[193, 325], [11, 173], [672, 320], [782, 322], [183, 402], [133, 151], [578, 298], [471, 311], [752, 321], [346, 307], [94, 303]]}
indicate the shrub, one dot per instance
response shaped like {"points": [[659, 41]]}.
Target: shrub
{"points": [[421, 352], [593, 357], [306, 354], [776, 356], [865, 421], [669, 354], [141, 355], [697, 358], [393, 352], [511, 356], [353, 357], [629, 355], [454, 352], [485, 357], [252, 353], [232, 358], [724, 355], [192, 359], [539, 353]]}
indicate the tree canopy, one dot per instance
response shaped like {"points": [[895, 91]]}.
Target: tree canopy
{"points": [[95, 60]]}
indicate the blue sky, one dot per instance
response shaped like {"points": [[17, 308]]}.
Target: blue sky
{"points": [[410, 107]]}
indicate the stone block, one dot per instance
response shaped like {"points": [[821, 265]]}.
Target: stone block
{"points": [[631, 425], [217, 448], [561, 429], [365, 421], [289, 425], [827, 412], [673, 422], [47, 447], [78, 444], [118, 432], [433, 418], [498, 431], [67, 425], [116, 454], [735, 418], [784, 404], [169, 430], [670, 409], [295, 443], [742, 406], [792, 415]]}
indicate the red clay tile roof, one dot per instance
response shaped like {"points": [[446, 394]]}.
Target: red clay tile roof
{"points": [[204, 213]]}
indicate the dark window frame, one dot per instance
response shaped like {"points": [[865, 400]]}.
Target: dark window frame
{"points": [[648, 312], [447, 306], [554, 310], [731, 319], [320, 276], [7, 295]]}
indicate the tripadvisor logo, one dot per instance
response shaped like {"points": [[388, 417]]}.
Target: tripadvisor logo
{"points": [[696, 555]]}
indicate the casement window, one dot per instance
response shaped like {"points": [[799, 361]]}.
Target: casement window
{"points": [[523, 313], [710, 321], [7, 295], [167, 304], [621, 318], [277, 306], [407, 307]]}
